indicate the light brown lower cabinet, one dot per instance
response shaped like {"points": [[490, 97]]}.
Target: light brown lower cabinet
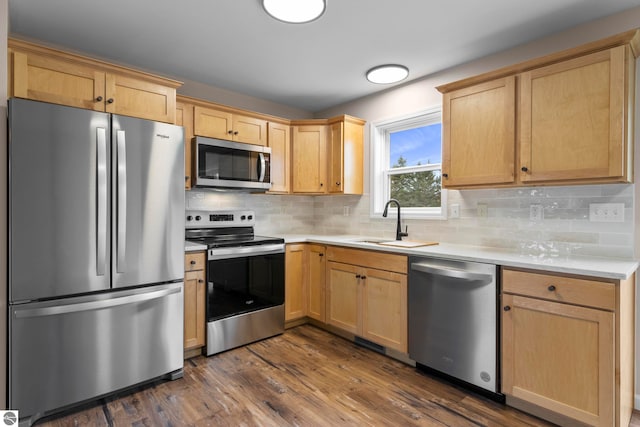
{"points": [[316, 282], [304, 282], [365, 301], [194, 303], [567, 346]]}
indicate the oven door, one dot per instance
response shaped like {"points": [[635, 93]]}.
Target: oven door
{"points": [[227, 164], [244, 279]]}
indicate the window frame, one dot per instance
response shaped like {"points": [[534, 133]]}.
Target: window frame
{"points": [[380, 171]]}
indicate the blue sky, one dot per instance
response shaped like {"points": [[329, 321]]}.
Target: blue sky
{"points": [[421, 144]]}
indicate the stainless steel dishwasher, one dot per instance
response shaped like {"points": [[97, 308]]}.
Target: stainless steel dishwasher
{"points": [[452, 320]]}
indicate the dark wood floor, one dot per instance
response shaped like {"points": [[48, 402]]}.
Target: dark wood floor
{"points": [[305, 377]]}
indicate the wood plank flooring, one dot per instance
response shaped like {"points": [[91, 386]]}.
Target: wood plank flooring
{"points": [[305, 377]]}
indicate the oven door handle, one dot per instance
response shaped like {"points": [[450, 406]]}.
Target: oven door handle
{"points": [[245, 251]]}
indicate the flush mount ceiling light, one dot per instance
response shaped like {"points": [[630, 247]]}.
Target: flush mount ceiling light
{"points": [[295, 11], [386, 74]]}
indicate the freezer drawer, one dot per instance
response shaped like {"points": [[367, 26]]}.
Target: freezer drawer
{"points": [[65, 351]]}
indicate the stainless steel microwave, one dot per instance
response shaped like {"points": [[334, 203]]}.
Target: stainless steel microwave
{"points": [[231, 165]]}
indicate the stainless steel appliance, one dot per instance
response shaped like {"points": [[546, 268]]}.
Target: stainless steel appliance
{"points": [[96, 249], [245, 278], [231, 165], [452, 319]]}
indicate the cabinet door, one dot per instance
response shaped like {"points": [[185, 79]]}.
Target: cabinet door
{"points": [[353, 158], [343, 296], [212, 123], [279, 142], [133, 97], [184, 118], [316, 277], [43, 78], [559, 357], [309, 159], [295, 284], [336, 157], [384, 305], [249, 130], [194, 308], [479, 134], [573, 119]]}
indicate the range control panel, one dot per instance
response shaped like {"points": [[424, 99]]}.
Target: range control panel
{"points": [[215, 219]]}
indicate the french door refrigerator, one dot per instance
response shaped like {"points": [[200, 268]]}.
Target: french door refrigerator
{"points": [[96, 254]]}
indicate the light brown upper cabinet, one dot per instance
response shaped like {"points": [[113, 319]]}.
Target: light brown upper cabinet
{"points": [[184, 118], [222, 124], [49, 75], [327, 156], [479, 134], [565, 118], [280, 144], [573, 119], [309, 158]]}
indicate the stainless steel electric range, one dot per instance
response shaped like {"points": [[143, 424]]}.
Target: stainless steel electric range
{"points": [[245, 278]]}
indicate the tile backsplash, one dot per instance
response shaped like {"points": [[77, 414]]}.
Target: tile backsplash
{"points": [[563, 230]]}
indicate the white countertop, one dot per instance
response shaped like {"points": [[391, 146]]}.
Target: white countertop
{"points": [[194, 247], [610, 268]]}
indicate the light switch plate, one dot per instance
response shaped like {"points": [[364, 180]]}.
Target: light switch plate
{"points": [[482, 210], [455, 210], [536, 213]]}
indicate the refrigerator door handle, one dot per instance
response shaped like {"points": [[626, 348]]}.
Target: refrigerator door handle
{"points": [[101, 178], [121, 236], [94, 305]]}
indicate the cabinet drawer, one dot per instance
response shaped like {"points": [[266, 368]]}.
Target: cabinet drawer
{"points": [[194, 261], [370, 259], [572, 290]]}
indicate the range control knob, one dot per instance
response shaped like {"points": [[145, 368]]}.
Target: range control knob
{"points": [[198, 217], [243, 217], [189, 217], [250, 217]]}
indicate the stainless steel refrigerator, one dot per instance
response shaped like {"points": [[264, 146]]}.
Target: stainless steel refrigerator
{"points": [[96, 254]]}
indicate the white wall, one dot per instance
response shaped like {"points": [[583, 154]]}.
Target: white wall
{"points": [[4, 30]]}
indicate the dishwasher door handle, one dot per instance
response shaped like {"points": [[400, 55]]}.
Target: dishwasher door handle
{"points": [[455, 273]]}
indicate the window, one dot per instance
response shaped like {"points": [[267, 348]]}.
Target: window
{"points": [[407, 165]]}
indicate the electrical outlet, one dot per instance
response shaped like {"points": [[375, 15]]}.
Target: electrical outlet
{"points": [[482, 210], [455, 211], [346, 211], [536, 213], [606, 212]]}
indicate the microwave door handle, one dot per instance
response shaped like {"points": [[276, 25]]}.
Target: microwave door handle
{"points": [[101, 194], [262, 167], [121, 236]]}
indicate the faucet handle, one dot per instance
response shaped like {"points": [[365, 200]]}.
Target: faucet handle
{"points": [[406, 231]]}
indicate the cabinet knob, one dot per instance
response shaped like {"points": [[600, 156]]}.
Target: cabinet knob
{"points": [[321, 184], [235, 133], [506, 308], [230, 132], [552, 288], [338, 183], [524, 169], [358, 276], [363, 277], [193, 262], [320, 254], [200, 281], [99, 99], [110, 101], [445, 175]]}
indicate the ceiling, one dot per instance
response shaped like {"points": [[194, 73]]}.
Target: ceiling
{"points": [[235, 45]]}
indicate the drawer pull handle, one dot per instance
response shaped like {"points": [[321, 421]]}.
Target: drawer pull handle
{"points": [[524, 169], [364, 277], [358, 276], [506, 308], [551, 288], [200, 281], [193, 262]]}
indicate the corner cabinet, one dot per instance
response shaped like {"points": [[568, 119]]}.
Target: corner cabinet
{"points": [[367, 295], [327, 156], [279, 136], [50, 75], [194, 303], [184, 118], [295, 289], [567, 343], [573, 111]]}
